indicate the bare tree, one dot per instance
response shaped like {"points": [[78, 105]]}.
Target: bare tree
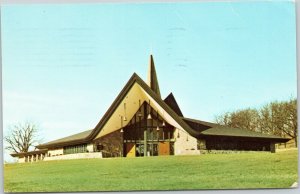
{"points": [[22, 137]]}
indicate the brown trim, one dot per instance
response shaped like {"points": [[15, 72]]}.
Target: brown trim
{"points": [[134, 79], [166, 108], [62, 144], [102, 122], [104, 136], [277, 140], [43, 151], [202, 133], [172, 103], [113, 107]]}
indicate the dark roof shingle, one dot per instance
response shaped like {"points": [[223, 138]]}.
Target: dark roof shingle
{"points": [[212, 129], [172, 103], [76, 136], [236, 132]]}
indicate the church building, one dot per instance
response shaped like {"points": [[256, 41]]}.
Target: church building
{"points": [[141, 123]]}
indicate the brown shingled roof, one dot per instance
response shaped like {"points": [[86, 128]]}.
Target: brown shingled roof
{"points": [[171, 102], [77, 136], [212, 129], [198, 124], [77, 139], [235, 132], [42, 151], [194, 127]]}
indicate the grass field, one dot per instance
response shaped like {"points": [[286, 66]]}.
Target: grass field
{"points": [[210, 171]]}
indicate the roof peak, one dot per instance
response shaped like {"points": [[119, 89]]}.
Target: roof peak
{"points": [[172, 103], [152, 77]]}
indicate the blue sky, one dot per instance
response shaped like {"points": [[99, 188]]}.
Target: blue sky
{"points": [[63, 65]]}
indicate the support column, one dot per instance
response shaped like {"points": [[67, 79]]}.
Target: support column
{"points": [[122, 144], [272, 147], [145, 142], [145, 130]]}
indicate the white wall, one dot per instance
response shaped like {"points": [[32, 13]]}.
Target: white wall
{"points": [[90, 147], [75, 156], [55, 152], [21, 160], [185, 144]]}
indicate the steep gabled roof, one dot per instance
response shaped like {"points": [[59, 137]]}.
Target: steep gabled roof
{"points": [[134, 79], [171, 102], [101, 123], [196, 128]]}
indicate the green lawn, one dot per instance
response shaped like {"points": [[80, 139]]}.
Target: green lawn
{"points": [[210, 171]]}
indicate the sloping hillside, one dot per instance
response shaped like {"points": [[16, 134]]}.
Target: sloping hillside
{"points": [[210, 171]]}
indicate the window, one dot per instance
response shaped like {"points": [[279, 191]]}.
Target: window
{"points": [[75, 149]]}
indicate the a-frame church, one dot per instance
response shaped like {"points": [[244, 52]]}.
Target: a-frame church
{"points": [[140, 123]]}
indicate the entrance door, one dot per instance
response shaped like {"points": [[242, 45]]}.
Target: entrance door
{"points": [[164, 148], [152, 149], [130, 150], [139, 150]]}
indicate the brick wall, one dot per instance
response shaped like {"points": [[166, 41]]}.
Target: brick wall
{"points": [[111, 144]]}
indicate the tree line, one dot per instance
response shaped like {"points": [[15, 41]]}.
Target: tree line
{"points": [[277, 118]]}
